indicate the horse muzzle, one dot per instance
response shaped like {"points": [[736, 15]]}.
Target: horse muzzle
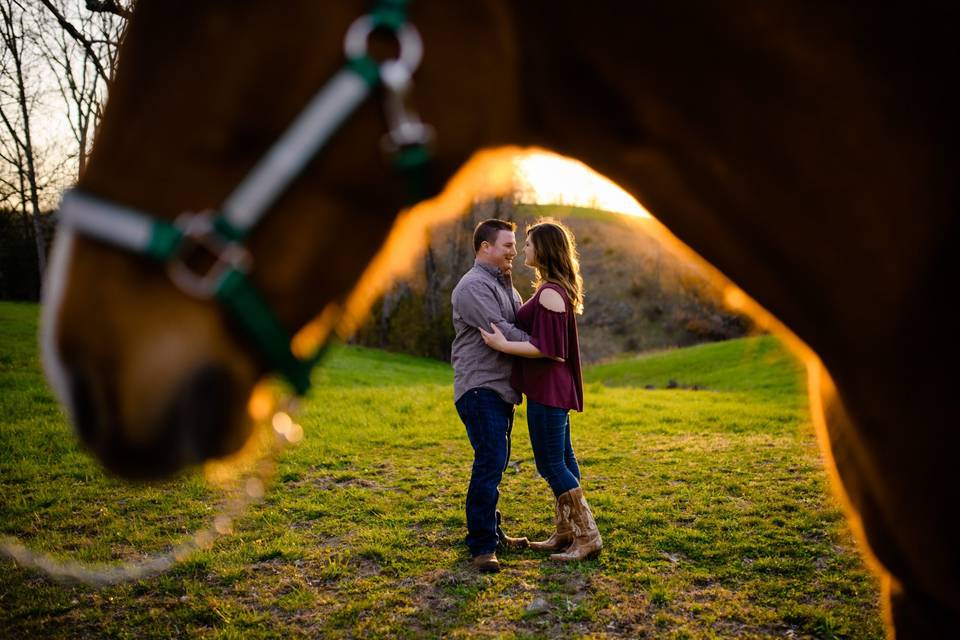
{"points": [[198, 422]]}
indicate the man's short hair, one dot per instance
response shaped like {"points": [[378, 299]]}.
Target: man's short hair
{"points": [[487, 231]]}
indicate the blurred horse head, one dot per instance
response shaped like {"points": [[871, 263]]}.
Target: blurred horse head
{"points": [[155, 379], [808, 152]]}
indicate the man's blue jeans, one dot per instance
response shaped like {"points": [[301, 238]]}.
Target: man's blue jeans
{"points": [[489, 421], [550, 439]]}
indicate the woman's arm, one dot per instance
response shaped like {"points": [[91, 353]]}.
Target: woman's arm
{"points": [[496, 340]]}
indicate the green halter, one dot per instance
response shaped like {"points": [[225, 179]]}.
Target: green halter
{"points": [[221, 234]]}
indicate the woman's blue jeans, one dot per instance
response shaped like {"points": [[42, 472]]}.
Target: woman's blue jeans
{"points": [[550, 438]]}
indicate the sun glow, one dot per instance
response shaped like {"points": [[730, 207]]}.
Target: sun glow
{"points": [[548, 178]]}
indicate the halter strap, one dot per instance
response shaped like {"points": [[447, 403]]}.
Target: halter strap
{"points": [[341, 96], [118, 225], [221, 234]]}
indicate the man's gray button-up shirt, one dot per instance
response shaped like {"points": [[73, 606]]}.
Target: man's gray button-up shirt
{"points": [[484, 297]]}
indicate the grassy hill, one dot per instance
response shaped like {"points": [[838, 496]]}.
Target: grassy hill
{"points": [[713, 507], [349, 366], [639, 295], [759, 365]]}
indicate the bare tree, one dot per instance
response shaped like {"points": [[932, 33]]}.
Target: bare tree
{"points": [[65, 48], [81, 57], [434, 281], [392, 300], [74, 33], [122, 9], [17, 101]]}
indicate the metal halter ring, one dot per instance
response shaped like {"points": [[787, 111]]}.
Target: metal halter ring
{"points": [[411, 46], [199, 235]]}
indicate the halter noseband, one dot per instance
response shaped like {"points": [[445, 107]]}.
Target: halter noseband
{"points": [[220, 234]]}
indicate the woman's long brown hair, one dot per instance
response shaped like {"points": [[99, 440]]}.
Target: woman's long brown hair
{"points": [[555, 252]]}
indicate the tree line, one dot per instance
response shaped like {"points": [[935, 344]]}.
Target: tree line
{"points": [[57, 58]]}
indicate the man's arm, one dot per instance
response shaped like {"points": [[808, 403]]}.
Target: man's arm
{"points": [[478, 306]]}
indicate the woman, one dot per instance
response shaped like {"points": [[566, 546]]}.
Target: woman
{"points": [[548, 372]]}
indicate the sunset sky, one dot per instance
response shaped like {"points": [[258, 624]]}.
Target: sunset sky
{"points": [[552, 179]]}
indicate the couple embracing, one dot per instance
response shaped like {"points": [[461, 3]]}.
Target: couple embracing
{"points": [[505, 348]]}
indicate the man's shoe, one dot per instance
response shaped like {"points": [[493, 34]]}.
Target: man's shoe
{"points": [[513, 544], [486, 563], [509, 542]]}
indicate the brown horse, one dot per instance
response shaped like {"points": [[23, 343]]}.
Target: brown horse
{"points": [[808, 151]]}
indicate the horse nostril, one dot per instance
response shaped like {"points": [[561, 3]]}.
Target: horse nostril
{"points": [[204, 417]]}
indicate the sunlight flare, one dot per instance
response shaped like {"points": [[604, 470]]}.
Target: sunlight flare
{"points": [[548, 178]]}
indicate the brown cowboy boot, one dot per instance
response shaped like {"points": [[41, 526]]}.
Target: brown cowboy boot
{"points": [[509, 542], [562, 535], [586, 537], [486, 563]]}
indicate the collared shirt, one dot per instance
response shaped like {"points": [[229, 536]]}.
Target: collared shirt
{"points": [[484, 296]]}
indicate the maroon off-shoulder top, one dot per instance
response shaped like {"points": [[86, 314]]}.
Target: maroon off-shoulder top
{"points": [[554, 333]]}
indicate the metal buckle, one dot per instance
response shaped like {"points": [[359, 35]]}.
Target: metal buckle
{"points": [[411, 46], [405, 126], [222, 255]]}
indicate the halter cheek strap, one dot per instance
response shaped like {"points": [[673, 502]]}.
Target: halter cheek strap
{"points": [[218, 237]]}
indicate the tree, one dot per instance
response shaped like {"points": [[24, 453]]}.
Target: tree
{"points": [[80, 48], [17, 102], [52, 49]]}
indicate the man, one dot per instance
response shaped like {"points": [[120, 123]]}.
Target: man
{"points": [[484, 399]]}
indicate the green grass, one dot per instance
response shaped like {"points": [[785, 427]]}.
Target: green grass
{"points": [[757, 366], [712, 503]]}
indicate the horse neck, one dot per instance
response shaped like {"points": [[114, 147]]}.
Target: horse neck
{"points": [[746, 133]]}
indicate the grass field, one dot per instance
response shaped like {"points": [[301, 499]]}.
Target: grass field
{"points": [[712, 503]]}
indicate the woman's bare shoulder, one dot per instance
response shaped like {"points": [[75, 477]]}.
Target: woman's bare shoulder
{"points": [[552, 300]]}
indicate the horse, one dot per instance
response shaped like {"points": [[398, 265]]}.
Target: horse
{"points": [[806, 151]]}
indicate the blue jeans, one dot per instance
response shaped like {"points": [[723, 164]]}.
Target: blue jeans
{"points": [[489, 421], [550, 438]]}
